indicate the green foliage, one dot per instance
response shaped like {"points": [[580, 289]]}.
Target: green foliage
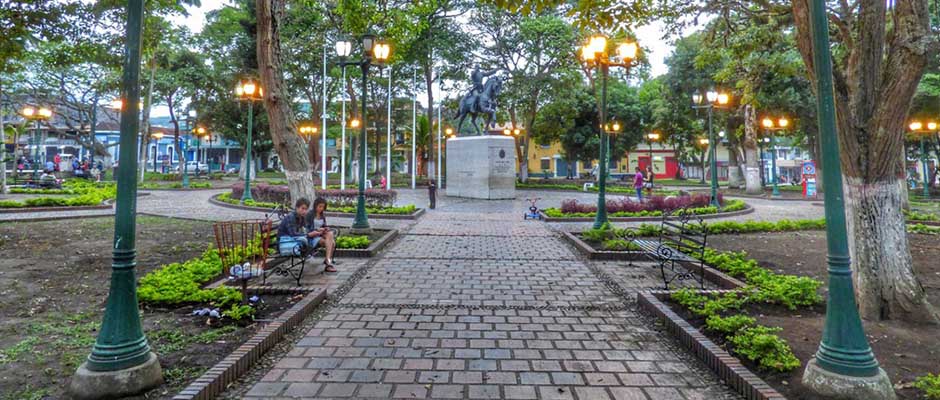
{"points": [[13, 353], [930, 385], [40, 191], [181, 283], [238, 312], [729, 325], [924, 229], [620, 245], [352, 242], [172, 340], [403, 210], [84, 194], [787, 290], [784, 225], [920, 216], [761, 345]]}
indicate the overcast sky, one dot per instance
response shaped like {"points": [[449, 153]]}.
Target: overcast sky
{"points": [[649, 36]]}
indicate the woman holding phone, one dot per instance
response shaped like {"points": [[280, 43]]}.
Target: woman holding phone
{"points": [[318, 233]]}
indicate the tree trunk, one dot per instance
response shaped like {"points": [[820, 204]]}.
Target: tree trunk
{"points": [[288, 144], [885, 284], [735, 178], [243, 166], [751, 166]]}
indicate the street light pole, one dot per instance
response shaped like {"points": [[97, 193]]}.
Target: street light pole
{"points": [[773, 164], [246, 194], [373, 51], [918, 127], [844, 366], [121, 362], [713, 145], [595, 54]]}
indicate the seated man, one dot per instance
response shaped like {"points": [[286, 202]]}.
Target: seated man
{"points": [[292, 236]]}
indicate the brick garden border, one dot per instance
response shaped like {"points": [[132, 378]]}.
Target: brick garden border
{"points": [[747, 210], [727, 367], [413, 216], [102, 206], [229, 369]]}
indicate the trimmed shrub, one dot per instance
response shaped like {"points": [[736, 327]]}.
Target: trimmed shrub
{"points": [[280, 194]]}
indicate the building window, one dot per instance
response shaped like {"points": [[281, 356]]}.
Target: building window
{"points": [[546, 164]]}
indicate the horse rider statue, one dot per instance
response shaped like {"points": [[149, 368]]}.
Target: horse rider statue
{"points": [[481, 99]]}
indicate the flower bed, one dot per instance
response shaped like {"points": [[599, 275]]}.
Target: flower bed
{"points": [[653, 207], [331, 209], [280, 194]]}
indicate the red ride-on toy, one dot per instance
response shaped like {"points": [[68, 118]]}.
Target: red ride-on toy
{"points": [[533, 210]]}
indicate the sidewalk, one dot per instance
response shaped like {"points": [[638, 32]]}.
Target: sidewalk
{"points": [[475, 303]]}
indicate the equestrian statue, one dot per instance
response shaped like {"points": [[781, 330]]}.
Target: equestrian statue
{"points": [[481, 99]]}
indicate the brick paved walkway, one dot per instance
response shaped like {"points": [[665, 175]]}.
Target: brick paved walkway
{"points": [[491, 307]]}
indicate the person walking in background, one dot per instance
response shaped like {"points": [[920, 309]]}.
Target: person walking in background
{"points": [[383, 182], [432, 194], [638, 183], [649, 179]]}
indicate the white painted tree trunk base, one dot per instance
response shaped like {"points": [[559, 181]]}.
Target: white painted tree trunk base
{"points": [[886, 286], [735, 178], [752, 182]]}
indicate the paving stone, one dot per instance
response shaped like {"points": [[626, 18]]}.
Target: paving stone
{"points": [[517, 392], [592, 393], [267, 389], [379, 391], [302, 389], [483, 392], [338, 390], [447, 391]]}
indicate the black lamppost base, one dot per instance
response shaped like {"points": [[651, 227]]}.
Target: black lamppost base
{"points": [[87, 384], [838, 386]]}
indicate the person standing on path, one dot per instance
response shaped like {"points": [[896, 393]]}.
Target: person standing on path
{"points": [[649, 179], [638, 184], [432, 193]]}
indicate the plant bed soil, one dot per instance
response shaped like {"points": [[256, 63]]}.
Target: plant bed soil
{"points": [[51, 275], [904, 350], [415, 215]]}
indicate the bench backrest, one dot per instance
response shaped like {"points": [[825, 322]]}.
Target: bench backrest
{"points": [[684, 231]]}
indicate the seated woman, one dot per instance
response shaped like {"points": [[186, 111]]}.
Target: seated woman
{"points": [[320, 233]]}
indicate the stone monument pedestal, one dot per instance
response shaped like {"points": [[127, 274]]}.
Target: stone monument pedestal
{"points": [[481, 167]]}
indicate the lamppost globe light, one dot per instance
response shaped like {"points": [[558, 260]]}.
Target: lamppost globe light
{"points": [[354, 123], [44, 112], [615, 127], [448, 131], [697, 98], [343, 48], [368, 43], [627, 51], [711, 96], [587, 53], [28, 112], [931, 126], [703, 141], [724, 98], [768, 123], [916, 126], [507, 132], [516, 131], [721, 133], [598, 44], [200, 130], [783, 122]]}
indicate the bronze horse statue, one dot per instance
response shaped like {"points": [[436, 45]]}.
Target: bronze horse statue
{"points": [[480, 103]]}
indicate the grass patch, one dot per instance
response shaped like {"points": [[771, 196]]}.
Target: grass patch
{"points": [[173, 340]]}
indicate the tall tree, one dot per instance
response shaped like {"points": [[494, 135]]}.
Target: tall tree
{"points": [[277, 101], [883, 53]]}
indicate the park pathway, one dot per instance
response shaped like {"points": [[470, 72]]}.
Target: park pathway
{"points": [[474, 303]]}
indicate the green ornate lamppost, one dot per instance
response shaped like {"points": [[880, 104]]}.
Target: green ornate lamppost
{"points": [[844, 367], [923, 130], [249, 91], [596, 54], [772, 126], [121, 362], [375, 51], [710, 101]]}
